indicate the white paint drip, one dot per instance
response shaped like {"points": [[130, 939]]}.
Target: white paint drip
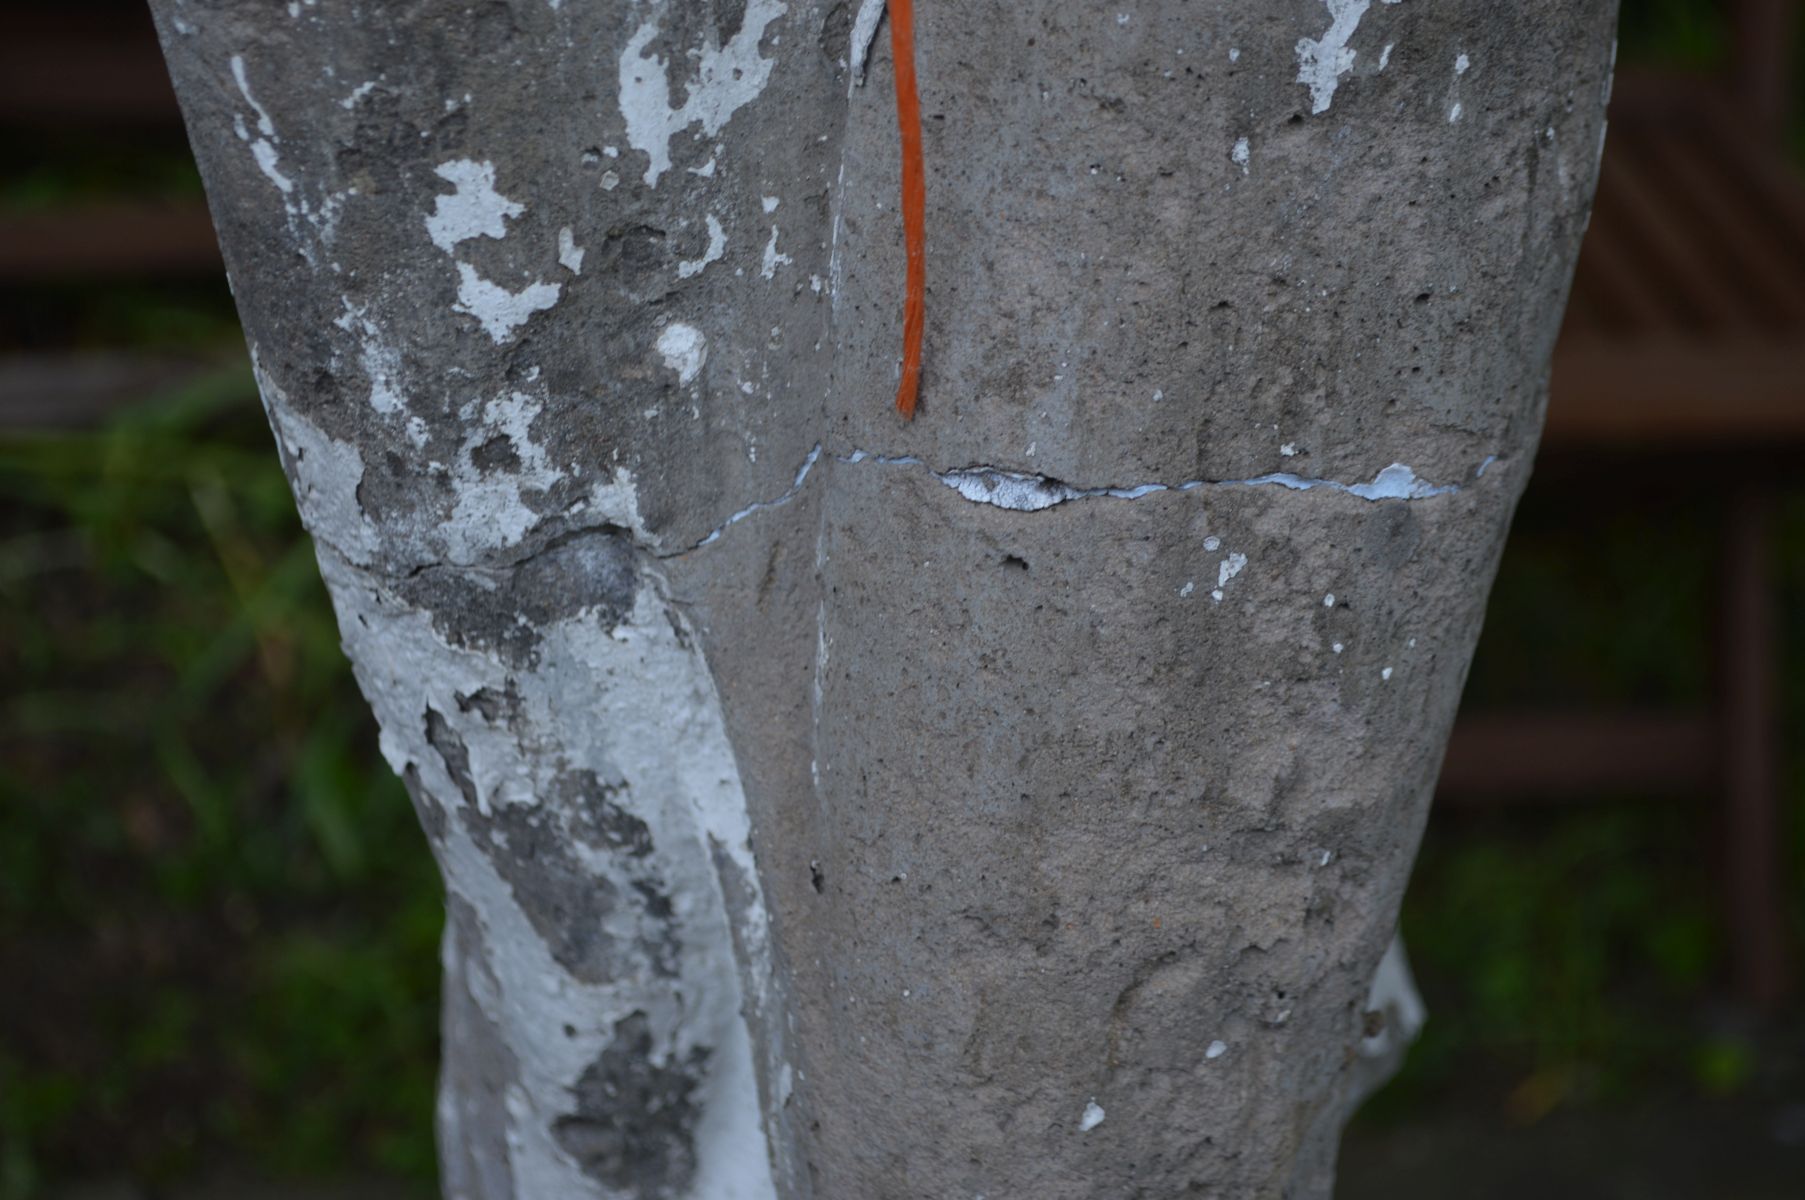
{"points": [[1093, 1116], [715, 251], [1321, 62], [296, 208], [726, 79]]}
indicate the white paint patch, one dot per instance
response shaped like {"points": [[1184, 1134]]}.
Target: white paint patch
{"points": [[1093, 1117], [683, 349], [380, 361], [864, 29], [1288, 450], [726, 79], [499, 311], [1216, 1050], [715, 251], [659, 739], [326, 474], [1454, 113], [1385, 674], [358, 93], [1226, 570], [1240, 154], [474, 210], [1393, 992], [773, 259], [1234, 55], [491, 511], [1321, 62], [1337, 647], [770, 204], [1461, 63], [1189, 587], [570, 255], [1385, 55]]}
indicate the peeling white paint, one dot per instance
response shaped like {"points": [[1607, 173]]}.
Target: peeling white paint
{"points": [[1226, 570], [773, 259], [864, 29], [474, 210], [570, 255], [1240, 154], [1393, 992], [726, 79], [684, 350], [715, 251], [1093, 1116], [325, 472], [358, 93], [1321, 62], [380, 361], [499, 311], [653, 729]]}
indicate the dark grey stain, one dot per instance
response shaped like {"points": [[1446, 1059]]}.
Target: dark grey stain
{"points": [[634, 1127]]}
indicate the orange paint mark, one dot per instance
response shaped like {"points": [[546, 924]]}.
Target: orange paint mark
{"points": [[914, 202]]}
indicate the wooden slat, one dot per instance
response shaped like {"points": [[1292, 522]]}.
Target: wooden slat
{"points": [[1704, 185], [1503, 757], [108, 241], [1668, 394], [66, 65], [1748, 658], [1692, 276]]}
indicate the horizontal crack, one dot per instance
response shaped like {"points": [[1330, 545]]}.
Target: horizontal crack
{"points": [[1022, 492]]}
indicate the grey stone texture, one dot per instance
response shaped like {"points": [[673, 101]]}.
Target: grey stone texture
{"points": [[578, 325]]}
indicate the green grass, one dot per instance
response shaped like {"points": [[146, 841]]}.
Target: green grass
{"points": [[218, 916]]}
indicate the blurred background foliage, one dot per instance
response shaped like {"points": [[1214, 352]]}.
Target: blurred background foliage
{"points": [[219, 922]]}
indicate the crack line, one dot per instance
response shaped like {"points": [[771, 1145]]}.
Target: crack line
{"points": [[1021, 492]]}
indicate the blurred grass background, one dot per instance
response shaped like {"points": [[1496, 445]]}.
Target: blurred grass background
{"points": [[219, 923]]}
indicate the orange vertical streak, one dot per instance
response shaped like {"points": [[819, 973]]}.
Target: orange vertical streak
{"points": [[914, 202]]}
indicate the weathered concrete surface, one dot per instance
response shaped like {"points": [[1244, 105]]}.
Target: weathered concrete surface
{"points": [[797, 806]]}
